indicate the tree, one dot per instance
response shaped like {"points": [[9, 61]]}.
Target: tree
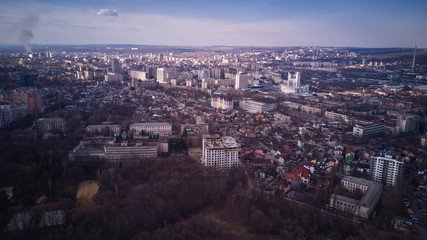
{"points": [[4, 203]]}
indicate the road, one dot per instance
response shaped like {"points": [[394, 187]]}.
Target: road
{"points": [[408, 192]]}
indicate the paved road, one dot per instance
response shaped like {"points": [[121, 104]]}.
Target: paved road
{"points": [[408, 192]]}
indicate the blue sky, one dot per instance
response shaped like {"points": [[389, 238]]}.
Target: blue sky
{"points": [[217, 22]]}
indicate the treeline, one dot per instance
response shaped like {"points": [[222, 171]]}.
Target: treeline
{"points": [[165, 199]]}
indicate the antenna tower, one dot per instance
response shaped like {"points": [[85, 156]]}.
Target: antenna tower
{"points": [[413, 59]]}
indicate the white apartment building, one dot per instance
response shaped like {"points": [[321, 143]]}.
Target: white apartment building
{"points": [[222, 102], [161, 75], [385, 168], [220, 152], [242, 81], [162, 128]]}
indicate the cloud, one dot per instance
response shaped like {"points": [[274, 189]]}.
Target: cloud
{"points": [[108, 12]]}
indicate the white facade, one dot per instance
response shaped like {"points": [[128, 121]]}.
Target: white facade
{"points": [[363, 130], [164, 75], [113, 77], [222, 102], [242, 81], [293, 85], [151, 127], [253, 106], [220, 152], [294, 80], [138, 75], [385, 168], [161, 75]]}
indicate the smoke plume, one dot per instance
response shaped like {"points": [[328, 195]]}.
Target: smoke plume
{"points": [[26, 34]]}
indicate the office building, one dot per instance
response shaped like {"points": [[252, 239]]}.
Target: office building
{"points": [[253, 106], [385, 168], [220, 152], [363, 129], [127, 150], [159, 128]]}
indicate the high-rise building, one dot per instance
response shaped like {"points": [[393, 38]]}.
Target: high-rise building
{"points": [[28, 96], [242, 80], [6, 114], [220, 152], [222, 102], [294, 80], [203, 73], [385, 168], [293, 85], [115, 66], [408, 123], [164, 75], [161, 75]]}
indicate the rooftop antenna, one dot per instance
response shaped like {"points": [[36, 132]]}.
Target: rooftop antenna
{"points": [[413, 59]]}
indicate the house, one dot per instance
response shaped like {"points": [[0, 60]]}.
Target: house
{"points": [[349, 153], [302, 142], [300, 174]]}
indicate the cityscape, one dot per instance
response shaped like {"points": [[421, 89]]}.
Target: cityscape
{"points": [[199, 133]]}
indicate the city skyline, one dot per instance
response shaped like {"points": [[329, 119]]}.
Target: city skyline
{"points": [[206, 23]]}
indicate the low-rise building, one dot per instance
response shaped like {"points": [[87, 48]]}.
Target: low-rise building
{"points": [[161, 128], [51, 125], [363, 207], [253, 106], [362, 129], [118, 151], [336, 116], [108, 129]]}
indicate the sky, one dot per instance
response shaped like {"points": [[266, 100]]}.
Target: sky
{"points": [[344, 23]]}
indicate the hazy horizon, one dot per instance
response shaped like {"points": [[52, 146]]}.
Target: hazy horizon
{"points": [[271, 23]]}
